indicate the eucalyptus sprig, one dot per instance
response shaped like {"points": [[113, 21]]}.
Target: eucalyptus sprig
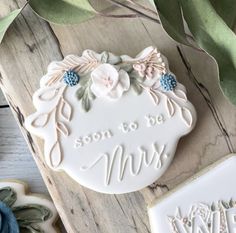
{"points": [[212, 24], [74, 12]]}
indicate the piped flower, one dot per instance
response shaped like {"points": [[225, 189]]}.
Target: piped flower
{"points": [[108, 82], [168, 82], [150, 63], [71, 78]]}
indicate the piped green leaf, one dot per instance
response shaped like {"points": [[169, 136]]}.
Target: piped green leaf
{"points": [[171, 19], [104, 57], [32, 228], [80, 93], [33, 213], [8, 196], [6, 21], [63, 12], [86, 105], [214, 36], [137, 88]]}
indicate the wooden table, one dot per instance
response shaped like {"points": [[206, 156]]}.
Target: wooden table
{"points": [[31, 44]]}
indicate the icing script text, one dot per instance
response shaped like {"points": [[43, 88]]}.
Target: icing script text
{"points": [[124, 127]]}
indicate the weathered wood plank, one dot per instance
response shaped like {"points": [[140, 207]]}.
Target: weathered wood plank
{"points": [[2, 99], [16, 161], [31, 44]]}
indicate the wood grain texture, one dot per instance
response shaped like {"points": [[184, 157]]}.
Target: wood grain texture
{"points": [[31, 44], [16, 161], [2, 99]]}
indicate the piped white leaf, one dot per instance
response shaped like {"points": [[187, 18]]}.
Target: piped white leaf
{"points": [[156, 85], [170, 107], [41, 120], [178, 213], [187, 116], [180, 95], [155, 97], [62, 128], [48, 95], [170, 218], [65, 110], [55, 155]]}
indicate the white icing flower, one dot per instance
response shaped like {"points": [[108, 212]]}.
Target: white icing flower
{"points": [[109, 83]]}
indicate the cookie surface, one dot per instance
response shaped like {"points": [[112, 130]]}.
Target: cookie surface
{"points": [[111, 122], [204, 204], [21, 211]]}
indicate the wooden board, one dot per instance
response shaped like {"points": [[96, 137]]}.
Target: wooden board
{"points": [[16, 161], [31, 44]]}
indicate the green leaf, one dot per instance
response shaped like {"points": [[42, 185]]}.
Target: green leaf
{"points": [[6, 21], [32, 213], [104, 57], [213, 207], [33, 228], [90, 94], [225, 204], [231, 203], [114, 59], [171, 19], [63, 12], [8, 196], [80, 93], [227, 10], [127, 67], [214, 36], [86, 105], [137, 88]]}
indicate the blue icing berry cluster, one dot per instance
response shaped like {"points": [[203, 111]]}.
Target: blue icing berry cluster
{"points": [[168, 82], [71, 78]]}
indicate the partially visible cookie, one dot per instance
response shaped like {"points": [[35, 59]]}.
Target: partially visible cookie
{"points": [[204, 204], [24, 212]]}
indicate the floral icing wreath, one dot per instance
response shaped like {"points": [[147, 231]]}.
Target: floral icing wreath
{"points": [[21, 218], [105, 76], [111, 76]]}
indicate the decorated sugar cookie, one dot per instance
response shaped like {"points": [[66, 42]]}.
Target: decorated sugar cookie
{"points": [[204, 204], [23, 212], [111, 122]]}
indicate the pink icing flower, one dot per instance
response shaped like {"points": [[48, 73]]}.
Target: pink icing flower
{"points": [[150, 64], [140, 68], [109, 83]]}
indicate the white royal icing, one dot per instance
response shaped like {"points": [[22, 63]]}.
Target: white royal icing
{"points": [[101, 132], [206, 204]]}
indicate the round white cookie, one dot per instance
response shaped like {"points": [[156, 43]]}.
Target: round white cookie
{"points": [[33, 212], [111, 122]]}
